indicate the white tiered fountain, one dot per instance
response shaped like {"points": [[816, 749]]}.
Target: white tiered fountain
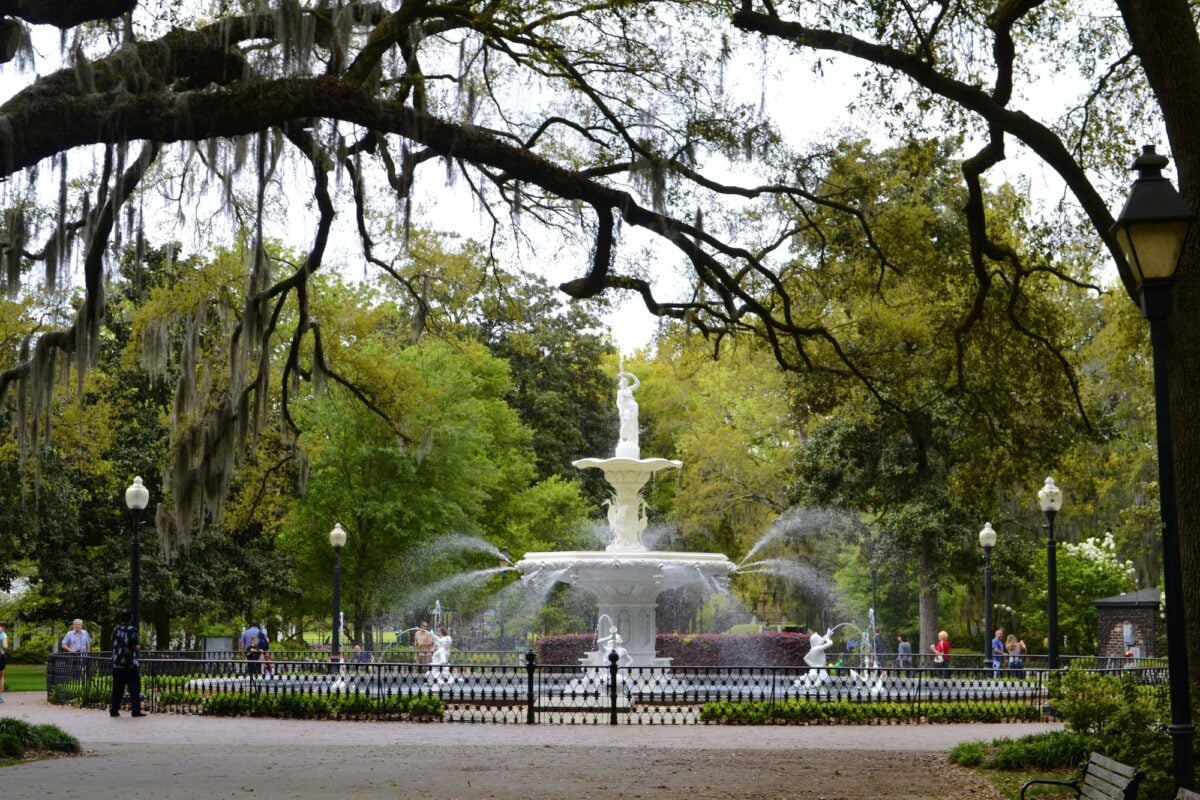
{"points": [[626, 577]]}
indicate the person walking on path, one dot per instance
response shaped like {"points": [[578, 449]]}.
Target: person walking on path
{"points": [[1016, 656], [941, 651], [77, 640], [126, 672], [253, 640], [3, 656], [904, 654], [423, 640]]}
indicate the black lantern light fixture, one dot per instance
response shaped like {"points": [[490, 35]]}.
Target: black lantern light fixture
{"points": [[1151, 231], [137, 497]]}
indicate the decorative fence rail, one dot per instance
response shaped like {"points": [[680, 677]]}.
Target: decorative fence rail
{"points": [[565, 694]]}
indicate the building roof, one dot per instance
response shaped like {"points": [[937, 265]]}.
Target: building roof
{"points": [[1142, 597]]}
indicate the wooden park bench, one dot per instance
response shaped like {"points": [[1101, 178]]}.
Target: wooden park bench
{"points": [[1102, 779]]}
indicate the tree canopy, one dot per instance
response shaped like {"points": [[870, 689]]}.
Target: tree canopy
{"points": [[583, 121]]}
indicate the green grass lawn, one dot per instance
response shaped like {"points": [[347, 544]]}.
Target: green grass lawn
{"points": [[1009, 783], [25, 678]]}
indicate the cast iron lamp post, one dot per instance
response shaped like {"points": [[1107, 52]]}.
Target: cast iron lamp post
{"points": [[1151, 231], [137, 497], [1050, 499], [337, 538], [987, 540]]}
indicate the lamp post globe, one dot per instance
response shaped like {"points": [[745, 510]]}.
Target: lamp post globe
{"points": [[1050, 499], [337, 539], [1151, 231], [987, 540], [137, 497]]}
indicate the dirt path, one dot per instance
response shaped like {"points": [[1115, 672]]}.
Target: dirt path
{"points": [[167, 756]]}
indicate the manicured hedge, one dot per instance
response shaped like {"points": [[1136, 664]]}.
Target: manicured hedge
{"points": [[694, 650], [17, 736], [846, 712], [300, 705]]}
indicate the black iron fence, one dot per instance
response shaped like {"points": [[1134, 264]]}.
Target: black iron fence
{"points": [[564, 694]]}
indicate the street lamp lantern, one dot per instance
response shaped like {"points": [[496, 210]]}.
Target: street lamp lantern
{"points": [[987, 537], [1151, 230], [1154, 223], [337, 539], [137, 497], [1050, 499], [987, 540]]}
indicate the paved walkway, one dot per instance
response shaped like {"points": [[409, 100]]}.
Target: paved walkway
{"points": [[177, 756]]}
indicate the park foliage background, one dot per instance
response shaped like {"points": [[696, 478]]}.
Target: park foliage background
{"points": [[882, 342]]}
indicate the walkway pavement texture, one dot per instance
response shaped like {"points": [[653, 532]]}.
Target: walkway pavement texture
{"points": [[178, 756]]}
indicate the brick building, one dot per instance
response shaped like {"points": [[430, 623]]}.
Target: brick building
{"points": [[1129, 623]]}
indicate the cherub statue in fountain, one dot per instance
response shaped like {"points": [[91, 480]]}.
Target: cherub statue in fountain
{"points": [[613, 643], [439, 670], [817, 674]]}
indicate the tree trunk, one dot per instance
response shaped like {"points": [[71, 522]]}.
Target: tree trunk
{"points": [[928, 600], [162, 629]]}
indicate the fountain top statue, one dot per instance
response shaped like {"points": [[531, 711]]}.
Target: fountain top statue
{"points": [[627, 410]]}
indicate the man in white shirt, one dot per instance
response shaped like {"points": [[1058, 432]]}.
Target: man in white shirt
{"points": [[77, 639]]}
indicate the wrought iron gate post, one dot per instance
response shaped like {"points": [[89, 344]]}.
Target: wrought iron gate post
{"points": [[530, 667], [613, 658]]}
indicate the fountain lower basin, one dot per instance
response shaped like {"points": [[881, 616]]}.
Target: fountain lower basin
{"points": [[627, 585]]}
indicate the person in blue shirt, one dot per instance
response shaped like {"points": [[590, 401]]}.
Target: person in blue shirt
{"points": [[77, 640], [126, 672], [998, 652], [250, 636], [253, 641]]}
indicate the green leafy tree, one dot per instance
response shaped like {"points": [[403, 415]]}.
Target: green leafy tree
{"points": [[555, 348], [1086, 571], [446, 456], [898, 438]]}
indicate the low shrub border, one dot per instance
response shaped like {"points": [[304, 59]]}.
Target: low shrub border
{"points": [[18, 736], [844, 712], [299, 705]]}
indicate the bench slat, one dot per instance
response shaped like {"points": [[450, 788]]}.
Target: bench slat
{"points": [[1098, 774], [1092, 791], [1113, 766]]}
